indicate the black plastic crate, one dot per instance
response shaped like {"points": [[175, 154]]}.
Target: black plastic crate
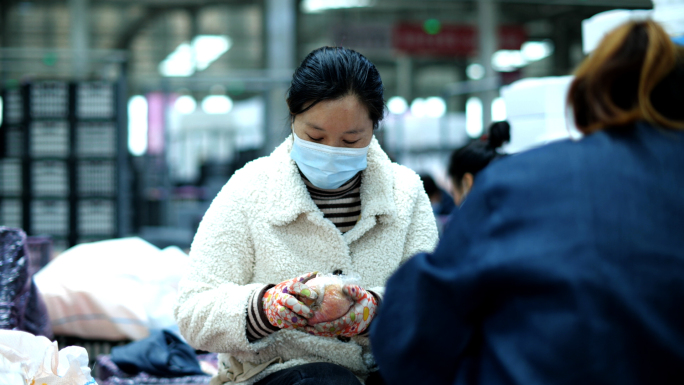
{"points": [[95, 100], [96, 177], [11, 213], [50, 178], [50, 99], [96, 139], [10, 177], [97, 217], [50, 217], [12, 107], [49, 138], [14, 141]]}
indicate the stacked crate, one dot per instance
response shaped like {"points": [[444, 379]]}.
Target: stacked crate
{"points": [[96, 169], [59, 169], [48, 160], [11, 162]]}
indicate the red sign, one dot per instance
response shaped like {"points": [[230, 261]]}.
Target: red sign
{"points": [[452, 40]]}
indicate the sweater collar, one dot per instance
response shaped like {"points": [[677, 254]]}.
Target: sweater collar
{"points": [[289, 198]]}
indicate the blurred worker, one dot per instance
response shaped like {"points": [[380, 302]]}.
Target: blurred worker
{"points": [[566, 263], [469, 160], [327, 200], [442, 203]]}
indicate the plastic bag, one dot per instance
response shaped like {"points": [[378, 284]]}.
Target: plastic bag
{"points": [[34, 360], [331, 303], [21, 304]]}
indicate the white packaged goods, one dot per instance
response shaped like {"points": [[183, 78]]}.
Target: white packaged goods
{"points": [[670, 14], [116, 289], [537, 112], [26, 359]]}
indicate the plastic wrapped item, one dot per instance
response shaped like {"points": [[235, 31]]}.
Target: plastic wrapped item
{"points": [[21, 306], [28, 359], [331, 303]]}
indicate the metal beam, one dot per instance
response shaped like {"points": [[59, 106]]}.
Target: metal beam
{"points": [[281, 30], [80, 33], [488, 44], [133, 29]]}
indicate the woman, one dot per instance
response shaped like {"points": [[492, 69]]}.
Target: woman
{"points": [[327, 200], [565, 265], [469, 160]]}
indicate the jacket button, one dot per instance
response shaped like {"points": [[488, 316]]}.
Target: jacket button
{"points": [[337, 272]]}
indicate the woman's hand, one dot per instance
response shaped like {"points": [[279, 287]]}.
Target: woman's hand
{"points": [[357, 319], [283, 308]]}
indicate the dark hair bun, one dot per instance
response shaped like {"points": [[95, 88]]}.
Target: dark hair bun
{"points": [[499, 133]]}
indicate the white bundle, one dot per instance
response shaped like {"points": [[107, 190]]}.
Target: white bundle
{"points": [[670, 14]]}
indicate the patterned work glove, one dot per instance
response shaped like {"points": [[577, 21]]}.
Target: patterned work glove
{"points": [[281, 305], [357, 319]]}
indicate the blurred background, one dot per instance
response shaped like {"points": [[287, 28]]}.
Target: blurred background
{"points": [[125, 117]]}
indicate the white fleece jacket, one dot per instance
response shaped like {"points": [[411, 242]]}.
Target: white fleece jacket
{"points": [[263, 228]]}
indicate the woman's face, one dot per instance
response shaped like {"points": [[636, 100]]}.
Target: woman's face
{"points": [[341, 122]]}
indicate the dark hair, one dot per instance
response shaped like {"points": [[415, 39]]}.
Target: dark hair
{"points": [[330, 73], [429, 184], [475, 156], [624, 80]]}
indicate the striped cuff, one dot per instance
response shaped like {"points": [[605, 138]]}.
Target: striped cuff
{"points": [[257, 323], [378, 299]]}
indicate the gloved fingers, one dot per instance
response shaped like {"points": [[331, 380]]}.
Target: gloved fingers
{"points": [[355, 292], [316, 332], [305, 277], [300, 289], [286, 318], [329, 329], [295, 305]]}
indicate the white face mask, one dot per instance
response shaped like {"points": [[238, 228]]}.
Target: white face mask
{"points": [[325, 166]]}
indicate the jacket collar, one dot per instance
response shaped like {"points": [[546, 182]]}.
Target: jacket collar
{"points": [[288, 197]]}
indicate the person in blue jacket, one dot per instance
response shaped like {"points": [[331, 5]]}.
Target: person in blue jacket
{"points": [[566, 263], [468, 161]]}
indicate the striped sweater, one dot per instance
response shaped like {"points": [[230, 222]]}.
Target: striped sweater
{"points": [[342, 206]]}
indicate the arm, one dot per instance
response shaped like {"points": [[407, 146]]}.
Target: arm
{"points": [[422, 236], [213, 295], [429, 334]]}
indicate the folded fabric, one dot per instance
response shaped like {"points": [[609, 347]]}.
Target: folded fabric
{"points": [[108, 373], [162, 354]]}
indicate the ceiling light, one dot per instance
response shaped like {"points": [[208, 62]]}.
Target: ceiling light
{"points": [[217, 104], [397, 105], [474, 126], [315, 6], [137, 125], [178, 63], [536, 50], [508, 60], [185, 104], [435, 107], [208, 48], [418, 107], [475, 71], [188, 58]]}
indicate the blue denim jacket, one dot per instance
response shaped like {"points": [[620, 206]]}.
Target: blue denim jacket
{"points": [[565, 266]]}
